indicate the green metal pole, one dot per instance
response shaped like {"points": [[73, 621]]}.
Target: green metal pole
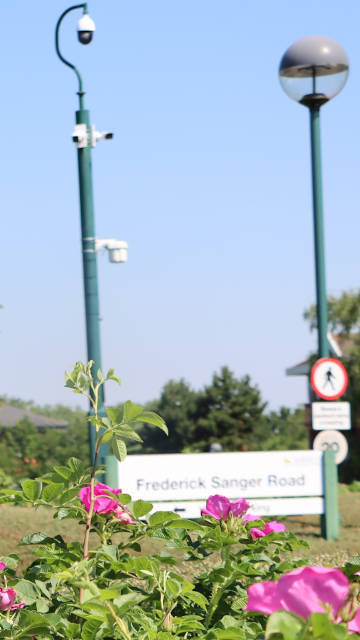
{"points": [[330, 519], [91, 294], [321, 299]]}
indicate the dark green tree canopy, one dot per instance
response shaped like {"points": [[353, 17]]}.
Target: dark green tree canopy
{"points": [[229, 409]]}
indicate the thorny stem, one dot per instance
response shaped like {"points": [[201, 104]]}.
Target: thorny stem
{"points": [[89, 514], [121, 624]]}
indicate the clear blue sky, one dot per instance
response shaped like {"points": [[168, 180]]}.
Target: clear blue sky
{"points": [[207, 178]]}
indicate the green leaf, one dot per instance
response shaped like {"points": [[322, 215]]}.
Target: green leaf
{"points": [[26, 590], [131, 411], [68, 495], [51, 491], [106, 437], [37, 538], [323, 629], [189, 525], [42, 605], [72, 631], [63, 471], [162, 516], [231, 633], [125, 602], [32, 489], [153, 418], [141, 508], [126, 431], [119, 449], [90, 628], [198, 598], [284, 623], [173, 588]]}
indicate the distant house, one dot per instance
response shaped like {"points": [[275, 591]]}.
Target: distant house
{"points": [[10, 416]]}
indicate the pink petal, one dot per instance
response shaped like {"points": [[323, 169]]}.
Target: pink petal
{"points": [[2, 566], [239, 506], [219, 505], [7, 597], [302, 590], [103, 504], [354, 624], [262, 597], [101, 488], [123, 516], [271, 527], [19, 605], [257, 533], [206, 512], [249, 517]]}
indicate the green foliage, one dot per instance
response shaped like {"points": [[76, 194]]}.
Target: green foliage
{"points": [[229, 410], [280, 430], [26, 452], [343, 313], [178, 404], [226, 411], [111, 591]]}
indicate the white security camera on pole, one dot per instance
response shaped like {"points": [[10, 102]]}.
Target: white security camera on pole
{"points": [[118, 249], [85, 29]]}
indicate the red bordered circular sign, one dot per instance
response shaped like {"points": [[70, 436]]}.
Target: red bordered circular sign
{"points": [[329, 378]]}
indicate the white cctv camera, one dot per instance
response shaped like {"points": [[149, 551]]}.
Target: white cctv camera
{"points": [[85, 29], [118, 249], [99, 135], [80, 136]]}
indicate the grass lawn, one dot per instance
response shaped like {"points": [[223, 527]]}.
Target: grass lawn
{"points": [[15, 522]]}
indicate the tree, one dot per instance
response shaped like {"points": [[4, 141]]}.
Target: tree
{"points": [[229, 410], [178, 405], [24, 452], [343, 313], [280, 430]]}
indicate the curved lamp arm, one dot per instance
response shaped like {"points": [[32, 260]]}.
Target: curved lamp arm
{"points": [[69, 64]]}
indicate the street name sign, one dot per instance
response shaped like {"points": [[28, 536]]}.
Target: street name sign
{"points": [[331, 415], [273, 482], [329, 378], [287, 482]]}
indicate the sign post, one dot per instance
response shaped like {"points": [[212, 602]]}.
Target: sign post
{"points": [[330, 518]]}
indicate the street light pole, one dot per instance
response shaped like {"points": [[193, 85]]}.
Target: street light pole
{"points": [[312, 71], [319, 245], [91, 295]]}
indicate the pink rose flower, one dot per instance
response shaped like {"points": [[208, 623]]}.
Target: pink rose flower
{"points": [[220, 507], [103, 504], [2, 566], [302, 591], [7, 600]]}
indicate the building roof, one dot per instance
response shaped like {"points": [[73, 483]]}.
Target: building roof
{"points": [[10, 416], [339, 346]]}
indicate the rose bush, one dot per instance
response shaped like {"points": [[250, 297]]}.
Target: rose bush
{"points": [[194, 584]]}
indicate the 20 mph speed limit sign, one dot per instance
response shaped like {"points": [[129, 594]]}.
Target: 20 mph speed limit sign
{"points": [[329, 378]]}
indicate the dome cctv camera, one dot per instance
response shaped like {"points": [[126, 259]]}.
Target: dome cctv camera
{"points": [[85, 29]]}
